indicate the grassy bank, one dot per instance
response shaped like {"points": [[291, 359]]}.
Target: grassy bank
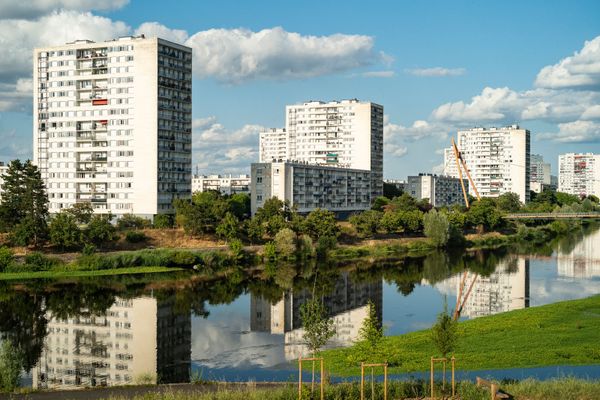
{"points": [[564, 333], [561, 389], [7, 276]]}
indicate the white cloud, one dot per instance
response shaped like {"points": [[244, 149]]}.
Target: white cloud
{"points": [[36, 8], [16, 96], [436, 71], [378, 74], [575, 132], [420, 129], [155, 29], [13, 145], [217, 149], [239, 55], [395, 150], [580, 71]]}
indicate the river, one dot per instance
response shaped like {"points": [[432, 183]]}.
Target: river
{"points": [[140, 329]]}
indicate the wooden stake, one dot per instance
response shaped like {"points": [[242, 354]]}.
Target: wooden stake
{"points": [[385, 381], [432, 378], [362, 381], [453, 382], [300, 378], [322, 382]]}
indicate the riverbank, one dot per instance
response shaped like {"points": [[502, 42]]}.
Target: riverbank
{"points": [[564, 333], [10, 276], [560, 389]]}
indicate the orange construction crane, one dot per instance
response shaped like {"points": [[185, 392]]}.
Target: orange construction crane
{"points": [[461, 162]]}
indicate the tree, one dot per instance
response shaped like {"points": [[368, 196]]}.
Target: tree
{"points": [[130, 221], [367, 222], [318, 327], [379, 203], [229, 227], [100, 231], [371, 331], [11, 364], [254, 229], [484, 214], [390, 190], [436, 228], [404, 202], [566, 199], [24, 206], [444, 332], [163, 221], [64, 232], [509, 202], [319, 223], [82, 212], [285, 243], [202, 214], [239, 205]]}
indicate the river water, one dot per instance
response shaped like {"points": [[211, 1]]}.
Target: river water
{"points": [[137, 329]]}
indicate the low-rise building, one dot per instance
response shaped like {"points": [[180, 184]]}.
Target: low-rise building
{"points": [[440, 190], [226, 184], [307, 186]]}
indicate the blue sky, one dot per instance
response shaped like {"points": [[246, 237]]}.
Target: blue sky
{"points": [[435, 66]]}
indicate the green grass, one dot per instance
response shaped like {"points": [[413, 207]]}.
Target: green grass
{"points": [[75, 274], [565, 333]]}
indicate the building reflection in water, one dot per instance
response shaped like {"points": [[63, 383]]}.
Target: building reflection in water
{"points": [[347, 304], [506, 289], [138, 340], [583, 260]]}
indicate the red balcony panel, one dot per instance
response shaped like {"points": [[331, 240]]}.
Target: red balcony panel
{"points": [[100, 102]]}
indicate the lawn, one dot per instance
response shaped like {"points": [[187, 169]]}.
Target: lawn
{"points": [[565, 333], [74, 274]]}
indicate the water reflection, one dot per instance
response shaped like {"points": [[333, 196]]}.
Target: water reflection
{"points": [[582, 260]]}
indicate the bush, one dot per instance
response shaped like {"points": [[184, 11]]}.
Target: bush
{"points": [[366, 223], [130, 221], [7, 258], [36, 261], [64, 231], [319, 223], [100, 231], [306, 248], [163, 221], [437, 228], [270, 252], [229, 227], [135, 237], [285, 243]]}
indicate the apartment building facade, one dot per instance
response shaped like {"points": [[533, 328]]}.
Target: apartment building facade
{"points": [[347, 133], [497, 158], [307, 186], [112, 124], [579, 174], [226, 184], [540, 174], [439, 190]]}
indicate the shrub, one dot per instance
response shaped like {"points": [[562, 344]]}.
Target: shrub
{"points": [[130, 221], [366, 223], [163, 221], [64, 231], [229, 227], [285, 243], [100, 231], [7, 258], [270, 252], [306, 248], [185, 259], [437, 228], [135, 237], [320, 223]]}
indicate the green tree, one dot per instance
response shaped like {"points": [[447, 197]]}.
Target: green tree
{"points": [[404, 202], [24, 206], [163, 221], [130, 221], [319, 223], [484, 214], [7, 258], [100, 231], [371, 331], [239, 205], [367, 222], [509, 202], [318, 327], [202, 214], [229, 227], [391, 222], [285, 243], [444, 333], [436, 228], [379, 203], [11, 364], [254, 229], [412, 221], [64, 231], [566, 199], [82, 212], [390, 190]]}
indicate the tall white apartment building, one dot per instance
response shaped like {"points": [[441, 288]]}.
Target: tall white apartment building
{"points": [[439, 190], [274, 145], [497, 158], [539, 174], [579, 174], [112, 124], [226, 184], [3, 170], [346, 133], [306, 187]]}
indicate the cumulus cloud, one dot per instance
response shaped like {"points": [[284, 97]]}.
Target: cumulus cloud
{"points": [[580, 71], [239, 55], [436, 71], [378, 74], [216, 148], [155, 29], [33, 9], [16, 96], [419, 129], [575, 132]]}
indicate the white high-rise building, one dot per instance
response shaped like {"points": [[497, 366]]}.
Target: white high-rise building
{"points": [[539, 174], [346, 133], [579, 174], [497, 159], [112, 124]]}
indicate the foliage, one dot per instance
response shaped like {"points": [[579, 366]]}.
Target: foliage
{"points": [[202, 214], [318, 327], [484, 214], [319, 223], [509, 202], [306, 248], [270, 252], [130, 221], [36, 261], [436, 228], [404, 202], [396, 221], [236, 250], [135, 237], [324, 244], [285, 243], [64, 231], [11, 364], [366, 223], [390, 190], [239, 205], [371, 331], [163, 221], [379, 203], [7, 258], [444, 333], [82, 212], [100, 231], [229, 227], [566, 199], [24, 206], [254, 229]]}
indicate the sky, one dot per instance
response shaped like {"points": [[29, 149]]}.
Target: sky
{"points": [[435, 66]]}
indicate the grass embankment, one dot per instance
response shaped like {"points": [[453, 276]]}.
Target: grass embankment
{"points": [[560, 389], [564, 333], [7, 276]]}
